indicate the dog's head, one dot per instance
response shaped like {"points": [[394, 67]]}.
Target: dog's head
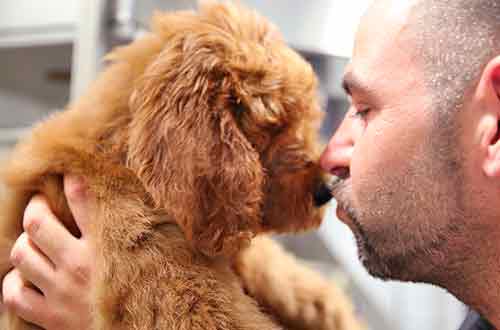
{"points": [[224, 128]]}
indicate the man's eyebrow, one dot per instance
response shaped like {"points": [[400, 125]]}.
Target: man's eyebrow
{"points": [[351, 83], [346, 84]]}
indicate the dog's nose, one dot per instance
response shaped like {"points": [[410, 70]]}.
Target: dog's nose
{"points": [[322, 195]]}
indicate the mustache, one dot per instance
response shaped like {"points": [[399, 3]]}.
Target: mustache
{"points": [[339, 182], [338, 187], [341, 190]]}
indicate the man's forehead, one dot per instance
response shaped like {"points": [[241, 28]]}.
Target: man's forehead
{"points": [[393, 8], [384, 38], [385, 19], [385, 61]]}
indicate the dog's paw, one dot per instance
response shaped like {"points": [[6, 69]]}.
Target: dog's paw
{"points": [[294, 293]]}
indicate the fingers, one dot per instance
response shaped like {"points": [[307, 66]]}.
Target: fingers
{"points": [[24, 301], [50, 258], [34, 266], [48, 234], [76, 193]]}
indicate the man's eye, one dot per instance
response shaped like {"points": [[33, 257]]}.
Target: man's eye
{"points": [[361, 113]]}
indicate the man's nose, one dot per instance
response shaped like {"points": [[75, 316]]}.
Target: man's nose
{"points": [[337, 155]]}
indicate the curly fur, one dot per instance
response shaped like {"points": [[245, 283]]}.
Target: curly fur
{"points": [[196, 138]]}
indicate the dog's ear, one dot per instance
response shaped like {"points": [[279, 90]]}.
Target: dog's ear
{"points": [[187, 149]]}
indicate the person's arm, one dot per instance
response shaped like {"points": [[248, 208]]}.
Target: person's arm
{"points": [[57, 263]]}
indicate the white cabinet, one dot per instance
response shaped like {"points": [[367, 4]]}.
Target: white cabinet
{"points": [[29, 14], [34, 82], [35, 59], [27, 22]]}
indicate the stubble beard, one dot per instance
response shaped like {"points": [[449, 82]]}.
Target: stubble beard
{"points": [[367, 253], [404, 224]]}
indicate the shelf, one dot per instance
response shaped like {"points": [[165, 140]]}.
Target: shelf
{"points": [[26, 23], [40, 36], [9, 136]]}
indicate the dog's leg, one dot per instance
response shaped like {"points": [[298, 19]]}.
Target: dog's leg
{"points": [[298, 296]]}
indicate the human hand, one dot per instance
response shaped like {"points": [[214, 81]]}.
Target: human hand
{"points": [[57, 263]]}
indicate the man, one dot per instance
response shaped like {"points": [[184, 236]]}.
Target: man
{"points": [[419, 149], [418, 154]]}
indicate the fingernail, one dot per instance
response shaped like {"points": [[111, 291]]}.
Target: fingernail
{"points": [[79, 180], [15, 259]]}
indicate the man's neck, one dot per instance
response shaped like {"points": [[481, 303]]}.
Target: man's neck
{"points": [[486, 302], [477, 281]]}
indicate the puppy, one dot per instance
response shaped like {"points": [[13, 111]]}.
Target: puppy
{"points": [[197, 137]]}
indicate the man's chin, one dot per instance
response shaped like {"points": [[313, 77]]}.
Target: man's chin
{"points": [[343, 216], [367, 254], [378, 267], [400, 266]]}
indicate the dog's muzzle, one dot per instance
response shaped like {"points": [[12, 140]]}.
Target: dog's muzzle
{"points": [[322, 195]]}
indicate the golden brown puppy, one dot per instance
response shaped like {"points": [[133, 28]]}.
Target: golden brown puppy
{"points": [[198, 137]]}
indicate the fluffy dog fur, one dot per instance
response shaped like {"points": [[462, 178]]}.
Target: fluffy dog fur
{"points": [[199, 136]]}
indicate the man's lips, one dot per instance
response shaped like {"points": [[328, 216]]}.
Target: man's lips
{"points": [[343, 215]]}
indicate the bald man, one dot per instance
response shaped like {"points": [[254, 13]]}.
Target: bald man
{"points": [[418, 155], [419, 150]]}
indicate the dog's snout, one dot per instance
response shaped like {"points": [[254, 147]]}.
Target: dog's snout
{"points": [[322, 194]]}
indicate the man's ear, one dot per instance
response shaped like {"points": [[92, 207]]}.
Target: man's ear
{"points": [[488, 92], [491, 164]]}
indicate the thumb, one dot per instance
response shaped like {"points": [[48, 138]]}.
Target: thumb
{"points": [[79, 203]]}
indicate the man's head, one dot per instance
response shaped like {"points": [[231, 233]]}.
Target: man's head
{"points": [[418, 150]]}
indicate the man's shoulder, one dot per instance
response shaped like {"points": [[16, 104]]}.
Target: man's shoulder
{"points": [[474, 321]]}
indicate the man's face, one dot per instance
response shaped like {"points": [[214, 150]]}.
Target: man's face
{"points": [[401, 192]]}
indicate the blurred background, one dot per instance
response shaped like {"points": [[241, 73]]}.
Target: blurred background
{"points": [[51, 50]]}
